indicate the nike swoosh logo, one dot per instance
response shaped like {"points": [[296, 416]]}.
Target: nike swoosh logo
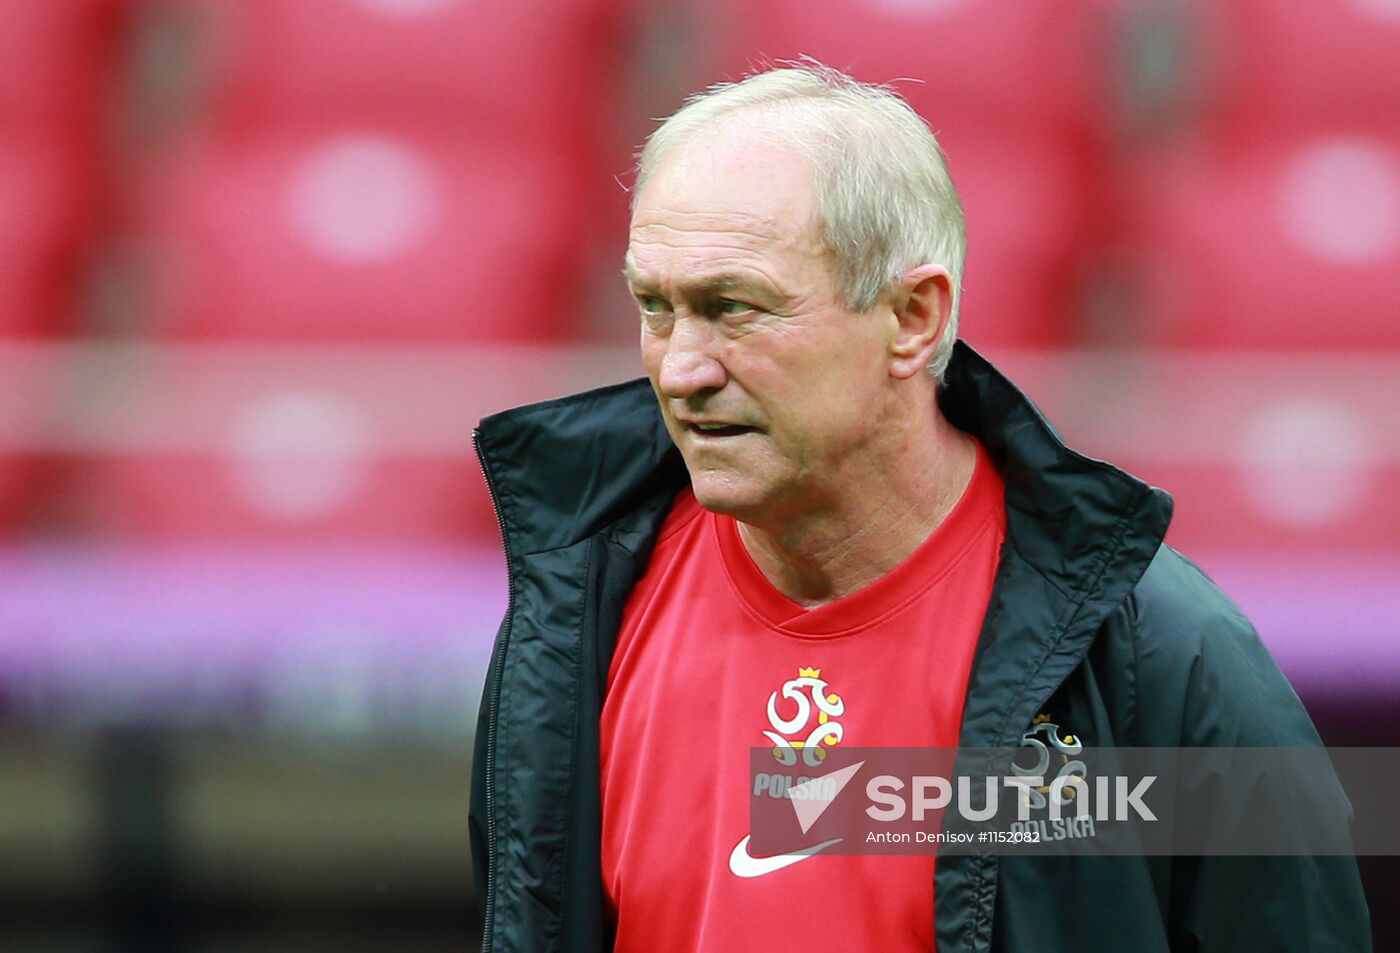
{"points": [[744, 864]]}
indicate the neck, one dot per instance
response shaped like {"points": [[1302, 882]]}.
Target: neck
{"points": [[817, 557]]}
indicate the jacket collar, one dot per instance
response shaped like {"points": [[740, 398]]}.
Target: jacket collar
{"points": [[567, 469], [1085, 526]]}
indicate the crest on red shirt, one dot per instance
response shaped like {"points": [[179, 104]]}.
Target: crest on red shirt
{"points": [[801, 715]]}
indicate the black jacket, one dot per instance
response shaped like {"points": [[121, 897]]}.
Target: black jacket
{"points": [[1092, 618]]}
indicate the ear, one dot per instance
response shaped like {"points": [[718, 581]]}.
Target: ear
{"points": [[923, 303]]}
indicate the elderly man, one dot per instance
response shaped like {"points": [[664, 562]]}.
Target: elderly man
{"points": [[817, 490]]}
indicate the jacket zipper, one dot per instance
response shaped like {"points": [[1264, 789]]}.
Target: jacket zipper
{"points": [[493, 703]]}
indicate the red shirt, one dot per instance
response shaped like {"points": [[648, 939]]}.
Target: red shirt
{"points": [[705, 641]]}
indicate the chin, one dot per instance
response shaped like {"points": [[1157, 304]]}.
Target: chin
{"points": [[724, 497]]}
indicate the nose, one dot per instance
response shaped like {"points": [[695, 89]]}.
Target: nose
{"points": [[691, 364]]}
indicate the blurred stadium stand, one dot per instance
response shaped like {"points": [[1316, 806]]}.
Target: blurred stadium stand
{"points": [[1270, 213], [384, 170], [264, 264]]}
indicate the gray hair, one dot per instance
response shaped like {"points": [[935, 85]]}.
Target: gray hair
{"points": [[885, 203]]}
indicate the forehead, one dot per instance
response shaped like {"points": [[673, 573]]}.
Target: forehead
{"points": [[727, 190], [731, 162]]}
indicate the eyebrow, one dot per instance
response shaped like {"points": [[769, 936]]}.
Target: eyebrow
{"points": [[708, 286]]}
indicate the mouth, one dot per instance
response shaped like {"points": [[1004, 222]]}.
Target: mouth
{"points": [[709, 431]]}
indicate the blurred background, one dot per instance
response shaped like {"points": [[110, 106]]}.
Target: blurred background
{"points": [[265, 263]]}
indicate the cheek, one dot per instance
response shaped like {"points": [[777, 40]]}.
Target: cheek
{"points": [[652, 351]]}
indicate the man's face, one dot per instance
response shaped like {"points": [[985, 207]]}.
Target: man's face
{"points": [[769, 385]]}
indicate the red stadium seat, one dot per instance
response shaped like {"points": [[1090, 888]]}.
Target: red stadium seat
{"points": [[40, 235], [33, 377], [1028, 217], [1303, 62], [369, 232], [55, 57], [54, 62], [291, 499], [20, 475], [1284, 452], [1232, 507], [1289, 244], [267, 451], [1010, 63], [535, 69], [14, 485]]}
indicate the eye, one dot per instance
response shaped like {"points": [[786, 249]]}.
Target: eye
{"points": [[656, 313], [651, 304], [728, 306]]}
